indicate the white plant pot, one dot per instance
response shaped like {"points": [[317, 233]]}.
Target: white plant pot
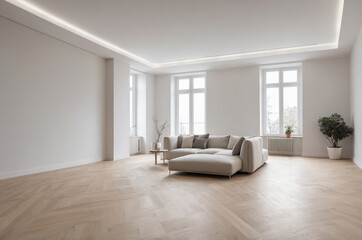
{"points": [[334, 153], [156, 146]]}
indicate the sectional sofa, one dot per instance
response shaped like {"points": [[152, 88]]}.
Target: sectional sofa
{"points": [[219, 155]]}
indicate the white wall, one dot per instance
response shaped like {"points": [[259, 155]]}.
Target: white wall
{"points": [[108, 113], [121, 110], [356, 98], [145, 109], [232, 101], [163, 99], [325, 91], [53, 103], [150, 111]]}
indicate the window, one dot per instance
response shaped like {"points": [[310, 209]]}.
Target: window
{"points": [[133, 104], [281, 100], [190, 104]]}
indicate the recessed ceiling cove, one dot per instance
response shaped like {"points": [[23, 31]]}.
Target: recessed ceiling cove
{"points": [[162, 33]]}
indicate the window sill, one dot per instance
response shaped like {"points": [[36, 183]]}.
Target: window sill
{"points": [[277, 136]]}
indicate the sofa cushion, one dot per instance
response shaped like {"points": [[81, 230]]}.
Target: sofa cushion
{"points": [[210, 150], [232, 141], [187, 141], [237, 146], [200, 142], [225, 152], [218, 141], [206, 163], [179, 152]]}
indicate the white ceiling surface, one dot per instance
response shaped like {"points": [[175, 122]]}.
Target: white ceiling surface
{"points": [[162, 31]]}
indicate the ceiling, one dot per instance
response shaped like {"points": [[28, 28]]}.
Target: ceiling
{"points": [[171, 36]]}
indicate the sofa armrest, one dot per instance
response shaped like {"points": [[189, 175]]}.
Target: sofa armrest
{"points": [[251, 154], [169, 143]]}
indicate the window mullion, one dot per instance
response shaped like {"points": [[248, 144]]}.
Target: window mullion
{"points": [[281, 103], [300, 103], [177, 122], [135, 104], [191, 108], [264, 102]]}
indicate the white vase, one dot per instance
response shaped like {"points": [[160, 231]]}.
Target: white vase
{"points": [[156, 146], [334, 153]]}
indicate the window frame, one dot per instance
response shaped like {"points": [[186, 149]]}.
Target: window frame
{"points": [[281, 85], [133, 89], [191, 91]]}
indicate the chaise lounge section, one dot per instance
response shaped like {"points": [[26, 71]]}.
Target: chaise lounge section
{"points": [[221, 155]]}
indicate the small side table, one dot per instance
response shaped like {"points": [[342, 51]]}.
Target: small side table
{"points": [[157, 152]]}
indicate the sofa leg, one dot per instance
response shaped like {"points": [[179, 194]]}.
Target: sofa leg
{"points": [[169, 172], [229, 177]]}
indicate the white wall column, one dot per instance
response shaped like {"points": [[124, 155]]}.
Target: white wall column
{"points": [[117, 143]]}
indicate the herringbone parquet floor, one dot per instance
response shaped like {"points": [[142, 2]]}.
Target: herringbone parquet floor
{"points": [[288, 198]]}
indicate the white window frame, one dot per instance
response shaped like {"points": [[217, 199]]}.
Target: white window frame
{"points": [[191, 91], [281, 85], [133, 89]]}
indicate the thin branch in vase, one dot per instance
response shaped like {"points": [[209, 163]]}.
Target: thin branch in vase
{"points": [[160, 129]]}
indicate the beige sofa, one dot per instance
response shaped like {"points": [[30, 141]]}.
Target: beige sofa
{"points": [[216, 159]]}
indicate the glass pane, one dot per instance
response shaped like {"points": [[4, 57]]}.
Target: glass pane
{"points": [[272, 111], [291, 107], [199, 82], [131, 112], [183, 84], [131, 81], [199, 113], [290, 76], [272, 77], [183, 114]]}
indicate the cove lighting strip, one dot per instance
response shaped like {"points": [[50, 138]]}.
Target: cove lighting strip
{"points": [[29, 7]]}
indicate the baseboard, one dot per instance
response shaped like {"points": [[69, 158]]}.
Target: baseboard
{"points": [[24, 172], [323, 155], [358, 163], [122, 156], [318, 155]]}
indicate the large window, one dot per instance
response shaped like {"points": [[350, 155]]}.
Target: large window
{"points": [[190, 104], [133, 104], [281, 100]]}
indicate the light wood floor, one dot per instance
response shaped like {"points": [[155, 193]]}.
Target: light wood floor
{"points": [[288, 198]]}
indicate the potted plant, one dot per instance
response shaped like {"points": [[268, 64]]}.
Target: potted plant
{"points": [[334, 128], [288, 131], [156, 145]]}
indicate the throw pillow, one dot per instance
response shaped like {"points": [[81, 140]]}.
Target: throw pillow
{"points": [[232, 141], [179, 141], [218, 141], [237, 146], [200, 142], [187, 141]]}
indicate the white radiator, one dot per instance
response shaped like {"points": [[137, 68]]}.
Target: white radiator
{"points": [[135, 145], [282, 146]]}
